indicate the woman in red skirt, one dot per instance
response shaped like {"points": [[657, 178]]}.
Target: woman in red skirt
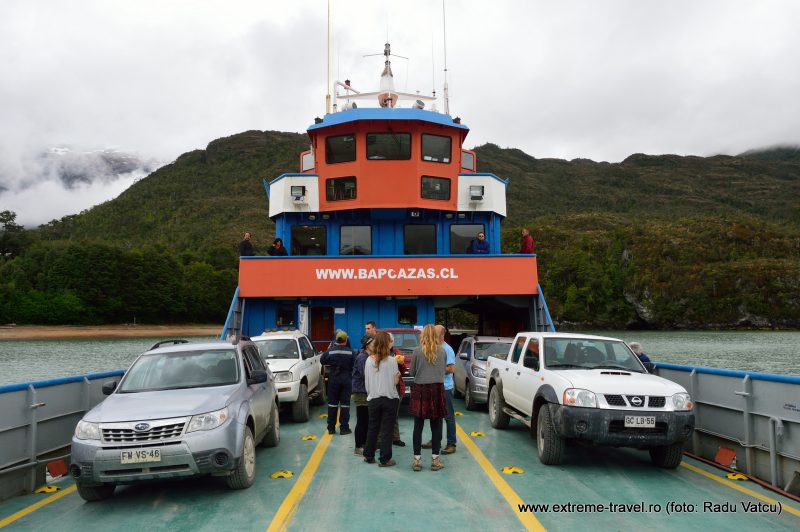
{"points": [[427, 394]]}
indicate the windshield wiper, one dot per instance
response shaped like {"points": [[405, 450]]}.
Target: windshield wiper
{"points": [[566, 366]]}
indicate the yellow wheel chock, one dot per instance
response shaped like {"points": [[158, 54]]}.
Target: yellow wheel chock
{"points": [[282, 474], [309, 437], [47, 489], [736, 476], [476, 433], [512, 470], [323, 416], [457, 413]]}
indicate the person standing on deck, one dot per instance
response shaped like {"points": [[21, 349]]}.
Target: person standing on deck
{"points": [[479, 246], [380, 378], [339, 359], [245, 246], [526, 246], [427, 395], [278, 249], [370, 329], [450, 420], [636, 347], [359, 395]]}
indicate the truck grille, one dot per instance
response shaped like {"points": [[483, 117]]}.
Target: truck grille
{"points": [[125, 435], [615, 400], [652, 401], [656, 402]]}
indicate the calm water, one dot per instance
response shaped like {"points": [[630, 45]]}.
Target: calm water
{"points": [[768, 352]]}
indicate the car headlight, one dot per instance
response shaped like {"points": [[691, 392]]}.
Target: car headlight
{"points": [[478, 371], [284, 376], [87, 431], [578, 397], [682, 401], [208, 421]]}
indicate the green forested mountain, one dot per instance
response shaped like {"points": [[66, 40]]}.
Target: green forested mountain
{"points": [[653, 241]]}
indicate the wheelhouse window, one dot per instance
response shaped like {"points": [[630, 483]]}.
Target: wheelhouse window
{"points": [[436, 188], [467, 160], [340, 188], [355, 240], [461, 237], [436, 149], [309, 240], [419, 240], [389, 146], [340, 149], [407, 314]]}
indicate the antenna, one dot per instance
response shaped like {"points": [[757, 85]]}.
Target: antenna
{"points": [[446, 91], [328, 63]]}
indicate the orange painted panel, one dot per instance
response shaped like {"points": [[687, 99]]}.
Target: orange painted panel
{"points": [[387, 276]]}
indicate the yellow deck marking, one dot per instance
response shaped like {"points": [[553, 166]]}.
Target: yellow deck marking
{"points": [[292, 501], [740, 488], [33, 507], [528, 520]]}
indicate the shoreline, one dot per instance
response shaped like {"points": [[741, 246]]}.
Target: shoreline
{"points": [[71, 332]]}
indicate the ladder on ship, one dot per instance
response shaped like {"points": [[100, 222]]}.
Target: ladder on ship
{"points": [[233, 325], [541, 315]]}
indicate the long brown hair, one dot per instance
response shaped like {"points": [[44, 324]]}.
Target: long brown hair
{"points": [[380, 347], [429, 341]]}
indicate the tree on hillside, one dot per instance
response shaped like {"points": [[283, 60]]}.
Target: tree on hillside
{"points": [[13, 237]]}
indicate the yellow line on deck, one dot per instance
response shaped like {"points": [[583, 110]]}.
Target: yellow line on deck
{"points": [[33, 507], [290, 504], [742, 489], [528, 520]]}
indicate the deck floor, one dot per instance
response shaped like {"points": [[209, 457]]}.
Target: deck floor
{"points": [[346, 494]]}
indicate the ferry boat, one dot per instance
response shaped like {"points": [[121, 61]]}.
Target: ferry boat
{"points": [[377, 222]]}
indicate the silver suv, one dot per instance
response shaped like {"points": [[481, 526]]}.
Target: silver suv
{"points": [[470, 371], [180, 410]]}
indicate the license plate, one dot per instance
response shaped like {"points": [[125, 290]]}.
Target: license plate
{"points": [[140, 456], [640, 422]]}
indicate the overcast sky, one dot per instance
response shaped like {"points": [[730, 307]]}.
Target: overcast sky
{"points": [[592, 79]]}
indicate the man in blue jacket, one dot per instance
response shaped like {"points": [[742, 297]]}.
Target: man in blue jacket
{"points": [[480, 245], [339, 359]]}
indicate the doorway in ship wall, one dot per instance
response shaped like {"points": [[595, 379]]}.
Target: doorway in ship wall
{"points": [[484, 315], [320, 327]]}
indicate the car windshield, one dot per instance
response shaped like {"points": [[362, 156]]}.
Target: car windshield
{"points": [[278, 348], [406, 341], [182, 369], [589, 353], [484, 350]]}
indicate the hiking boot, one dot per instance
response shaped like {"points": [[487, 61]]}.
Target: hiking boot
{"points": [[436, 464], [369, 460], [399, 443], [331, 431], [388, 463], [359, 451], [417, 465], [450, 449], [344, 432], [427, 445]]}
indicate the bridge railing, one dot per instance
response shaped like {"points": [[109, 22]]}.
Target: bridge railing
{"points": [[755, 414], [37, 420]]}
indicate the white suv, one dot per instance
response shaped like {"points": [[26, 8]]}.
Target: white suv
{"points": [[298, 373]]}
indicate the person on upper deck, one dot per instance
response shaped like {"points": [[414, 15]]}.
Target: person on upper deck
{"points": [[526, 245], [636, 347], [278, 249], [245, 246], [479, 245]]}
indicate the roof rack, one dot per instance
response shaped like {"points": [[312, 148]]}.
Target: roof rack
{"points": [[173, 342]]}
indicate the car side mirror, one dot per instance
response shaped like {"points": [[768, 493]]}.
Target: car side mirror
{"points": [[109, 387], [649, 366], [464, 356], [257, 376], [532, 362]]}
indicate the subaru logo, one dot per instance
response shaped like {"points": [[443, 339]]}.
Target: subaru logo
{"points": [[637, 401], [141, 427]]}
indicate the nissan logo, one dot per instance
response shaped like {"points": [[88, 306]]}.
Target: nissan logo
{"points": [[636, 401], [141, 427]]}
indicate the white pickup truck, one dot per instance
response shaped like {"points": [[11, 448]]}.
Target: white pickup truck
{"points": [[573, 386]]}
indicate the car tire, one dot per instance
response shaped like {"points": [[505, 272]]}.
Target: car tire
{"points": [[300, 407], [95, 493], [273, 436], [469, 399], [320, 397], [550, 446], [667, 456], [497, 417], [245, 473]]}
